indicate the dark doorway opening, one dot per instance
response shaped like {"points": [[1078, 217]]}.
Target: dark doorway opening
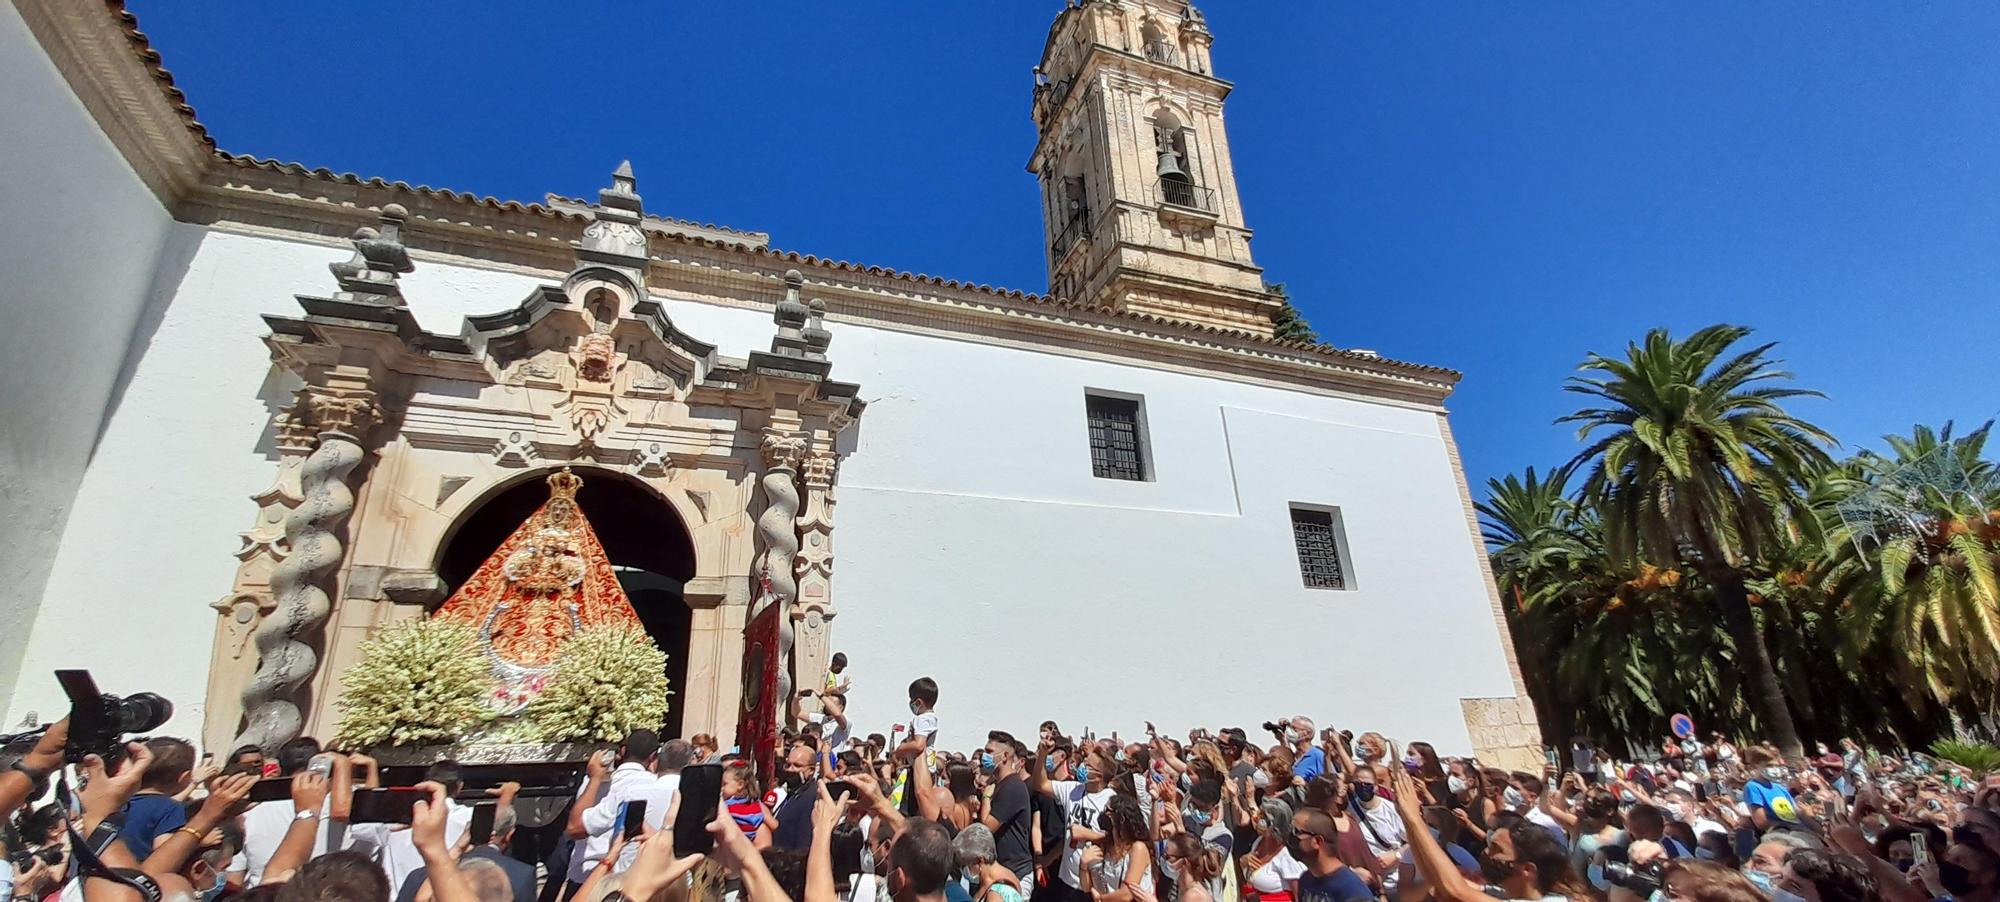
{"points": [[642, 535]]}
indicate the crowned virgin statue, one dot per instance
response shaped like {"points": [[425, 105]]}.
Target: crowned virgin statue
{"points": [[548, 581]]}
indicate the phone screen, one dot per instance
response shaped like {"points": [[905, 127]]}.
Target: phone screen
{"points": [[385, 806], [481, 828], [271, 789], [701, 793], [632, 817], [838, 788]]}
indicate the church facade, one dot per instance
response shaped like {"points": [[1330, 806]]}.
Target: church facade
{"points": [[256, 411]]}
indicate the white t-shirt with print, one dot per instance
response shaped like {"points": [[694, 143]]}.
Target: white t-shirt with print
{"points": [[1083, 807]]}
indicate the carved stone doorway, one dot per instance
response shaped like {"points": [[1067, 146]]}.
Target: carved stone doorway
{"points": [[642, 535]]}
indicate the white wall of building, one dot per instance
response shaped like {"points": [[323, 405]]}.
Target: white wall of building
{"points": [[80, 243], [972, 543]]}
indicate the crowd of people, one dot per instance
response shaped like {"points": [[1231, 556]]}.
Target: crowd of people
{"points": [[1289, 812]]}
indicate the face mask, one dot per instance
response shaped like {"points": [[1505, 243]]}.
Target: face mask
{"points": [[1294, 737], [1049, 764], [1120, 757], [210, 894], [791, 779], [1514, 798], [1455, 784], [1779, 895], [1082, 774], [986, 762], [913, 707], [1495, 871], [1774, 774], [1676, 810], [1198, 818], [1904, 864], [1704, 853], [1364, 792], [1413, 763], [1297, 848], [1261, 780], [1757, 877], [1957, 880]]}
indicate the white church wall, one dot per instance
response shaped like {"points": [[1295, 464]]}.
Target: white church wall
{"points": [[973, 544], [79, 244], [152, 533]]}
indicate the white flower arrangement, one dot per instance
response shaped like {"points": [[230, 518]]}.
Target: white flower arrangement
{"points": [[420, 681], [610, 679]]}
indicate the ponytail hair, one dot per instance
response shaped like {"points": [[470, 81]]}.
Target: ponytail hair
{"points": [[1200, 862]]}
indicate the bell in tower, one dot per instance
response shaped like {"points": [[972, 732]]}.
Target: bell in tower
{"points": [[1138, 188]]}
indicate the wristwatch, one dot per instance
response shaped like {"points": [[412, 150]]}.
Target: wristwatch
{"points": [[307, 815]]}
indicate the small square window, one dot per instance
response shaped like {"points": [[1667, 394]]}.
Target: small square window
{"points": [[1322, 547], [1117, 437]]}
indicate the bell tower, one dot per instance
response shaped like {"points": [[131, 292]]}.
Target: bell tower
{"points": [[1138, 190]]}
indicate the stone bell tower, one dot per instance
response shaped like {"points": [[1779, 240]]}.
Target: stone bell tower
{"points": [[1138, 191]]}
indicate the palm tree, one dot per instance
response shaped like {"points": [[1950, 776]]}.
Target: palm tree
{"points": [[1695, 463], [1913, 543]]}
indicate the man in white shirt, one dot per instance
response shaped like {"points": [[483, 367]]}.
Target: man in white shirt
{"points": [[836, 735], [1381, 826], [266, 823], [591, 823], [399, 857], [1082, 801]]}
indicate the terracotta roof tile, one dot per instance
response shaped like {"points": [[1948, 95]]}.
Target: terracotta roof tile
{"points": [[143, 46]]}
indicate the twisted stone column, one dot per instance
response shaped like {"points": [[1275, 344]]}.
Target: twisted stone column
{"points": [[301, 584], [777, 533]]}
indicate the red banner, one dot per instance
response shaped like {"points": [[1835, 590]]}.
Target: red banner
{"points": [[757, 721]]}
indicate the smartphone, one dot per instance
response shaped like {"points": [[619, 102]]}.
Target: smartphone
{"points": [[481, 828], [1700, 792], [837, 788], [1920, 849], [321, 764], [632, 817], [271, 789], [386, 805], [701, 793]]}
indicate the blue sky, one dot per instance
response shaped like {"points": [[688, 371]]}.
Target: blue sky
{"points": [[1497, 188]]}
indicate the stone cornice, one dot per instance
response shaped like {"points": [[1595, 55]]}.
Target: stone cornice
{"points": [[98, 47], [113, 70]]}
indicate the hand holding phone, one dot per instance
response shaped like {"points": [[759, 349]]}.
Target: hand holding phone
{"points": [[632, 818], [1920, 849]]}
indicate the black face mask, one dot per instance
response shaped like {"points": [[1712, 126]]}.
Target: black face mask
{"points": [[1297, 848], [1957, 880], [1495, 871], [1364, 792], [791, 779]]}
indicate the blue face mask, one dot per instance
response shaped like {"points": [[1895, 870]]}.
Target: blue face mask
{"points": [[1198, 818], [1082, 774], [1049, 764], [986, 762], [1759, 879]]}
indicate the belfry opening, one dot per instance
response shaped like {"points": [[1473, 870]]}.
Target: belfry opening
{"points": [[648, 546]]}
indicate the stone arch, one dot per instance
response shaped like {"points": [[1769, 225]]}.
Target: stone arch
{"points": [[526, 486]]}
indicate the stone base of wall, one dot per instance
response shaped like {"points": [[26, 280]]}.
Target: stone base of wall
{"points": [[1504, 733]]}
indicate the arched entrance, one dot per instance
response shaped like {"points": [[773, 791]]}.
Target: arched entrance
{"points": [[641, 533]]}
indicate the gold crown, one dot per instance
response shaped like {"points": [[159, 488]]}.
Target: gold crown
{"points": [[563, 484]]}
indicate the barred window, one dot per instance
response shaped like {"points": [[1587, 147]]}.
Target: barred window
{"points": [[1317, 535], [1117, 438]]}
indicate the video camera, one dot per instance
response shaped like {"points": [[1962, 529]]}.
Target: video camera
{"points": [[97, 720], [1641, 880]]}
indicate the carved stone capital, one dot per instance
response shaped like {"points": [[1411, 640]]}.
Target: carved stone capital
{"points": [[321, 409], [783, 449], [819, 470]]}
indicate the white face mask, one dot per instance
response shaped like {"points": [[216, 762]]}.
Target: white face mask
{"points": [[1514, 798], [1676, 810], [1455, 784], [1261, 780], [1774, 774]]}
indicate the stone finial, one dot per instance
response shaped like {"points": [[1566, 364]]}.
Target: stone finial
{"points": [[624, 191], [815, 336], [791, 314], [614, 236], [379, 258]]}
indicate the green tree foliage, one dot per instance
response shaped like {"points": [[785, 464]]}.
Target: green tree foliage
{"points": [[1288, 324], [1695, 558]]}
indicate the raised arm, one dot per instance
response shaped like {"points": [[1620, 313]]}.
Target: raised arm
{"points": [[1038, 769], [42, 760], [1447, 885], [1336, 749], [1554, 804], [427, 826], [826, 814], [594, 770], [223, 803], [308, 795]]}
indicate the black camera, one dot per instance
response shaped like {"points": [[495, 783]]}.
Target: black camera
{"points": [[1642, 881], [53, 855], [98, 719], [1272, 726]]}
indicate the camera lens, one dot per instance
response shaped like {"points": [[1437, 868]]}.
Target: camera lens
{"points": [[141, 712]]}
